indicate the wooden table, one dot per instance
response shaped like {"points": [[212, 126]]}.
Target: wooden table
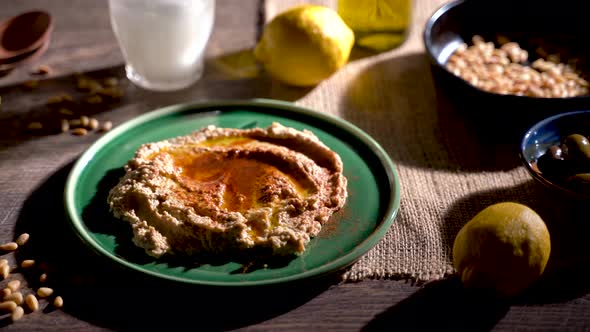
{"points": [[98, 296]]}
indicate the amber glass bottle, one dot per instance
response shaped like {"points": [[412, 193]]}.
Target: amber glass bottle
{"points": [[378, 25]]}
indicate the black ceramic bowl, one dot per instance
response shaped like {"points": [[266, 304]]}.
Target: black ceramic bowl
{"points": [[547, 133], [558, 27]]}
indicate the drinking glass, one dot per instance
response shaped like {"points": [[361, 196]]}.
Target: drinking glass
{"points": [[163, 41]]}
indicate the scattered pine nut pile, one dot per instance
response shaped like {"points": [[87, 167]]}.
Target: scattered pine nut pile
{"points": [[69, 114], [17, 300]]}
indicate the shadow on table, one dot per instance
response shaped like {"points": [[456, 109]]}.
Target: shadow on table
{"points": [[446, 305], [442, 306], [101, 293], [565, 277], [228, 76], [397, 102], [242, 66]]}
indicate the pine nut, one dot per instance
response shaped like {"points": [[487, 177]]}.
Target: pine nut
{"points": [[43, 277], [32, 302], [17, 313], [35, 125], [9, 246], [106, 126], [82, 83], [75, 123], [79, 132], [58, 302], [27, 263], [16, 297], [65, 125], [7, 306], [94, 86], [4, 271], [94, 100], [3, 261], [110, 92], [5, 292], [111, 81], [13, 285], [55, 99], [93, 124], [22, 239], [84, 121], [44, 291], [43, 70], [65, 111]]}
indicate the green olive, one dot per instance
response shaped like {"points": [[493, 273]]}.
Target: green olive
{"points": [[583, 177], [578, 147]]}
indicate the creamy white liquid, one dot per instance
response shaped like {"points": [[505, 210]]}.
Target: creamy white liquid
{"points": [[163, 41]]}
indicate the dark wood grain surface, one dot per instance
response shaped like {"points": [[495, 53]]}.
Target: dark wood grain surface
{"points": [[98, 296]]}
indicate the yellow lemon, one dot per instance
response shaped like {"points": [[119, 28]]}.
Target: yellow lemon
{"points": [[304, 45], [505, 247]]}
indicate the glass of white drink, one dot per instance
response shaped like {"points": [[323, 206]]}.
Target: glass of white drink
{"points": [[163, 41]]}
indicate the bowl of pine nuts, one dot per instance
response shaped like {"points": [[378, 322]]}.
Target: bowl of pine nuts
{"points": [[519, 59]]}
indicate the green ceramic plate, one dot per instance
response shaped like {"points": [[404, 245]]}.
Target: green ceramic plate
{"points": [[373, 187]]}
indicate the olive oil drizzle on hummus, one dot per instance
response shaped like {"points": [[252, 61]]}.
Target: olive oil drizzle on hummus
{"points": [[240, 179]]}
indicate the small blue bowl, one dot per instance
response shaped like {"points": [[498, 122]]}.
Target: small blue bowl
{"points": [[550, 131]]}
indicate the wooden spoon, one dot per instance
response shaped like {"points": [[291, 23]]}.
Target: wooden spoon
{"points": [[7, 65], [24, 34]]}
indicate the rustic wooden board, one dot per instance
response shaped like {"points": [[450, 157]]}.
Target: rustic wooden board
{"points": [[98, 296]]}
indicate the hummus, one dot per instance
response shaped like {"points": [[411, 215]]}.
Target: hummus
{"points": [[222, 190]]}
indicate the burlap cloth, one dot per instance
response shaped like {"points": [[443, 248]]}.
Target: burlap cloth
{"points": [[447, 172]]}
